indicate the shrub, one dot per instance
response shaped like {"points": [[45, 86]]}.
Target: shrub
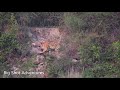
{"points": [[116, 50], [55, 67], [85, 21], [102, 70], [8, 43], [8, 39], [99, 45], [3, 67], [101, 62], [90, 50]]}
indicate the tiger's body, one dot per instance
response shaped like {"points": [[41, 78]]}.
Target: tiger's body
{"points": [[44, 46]]}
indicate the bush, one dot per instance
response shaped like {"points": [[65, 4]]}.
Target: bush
{"points": [[8, 43], [100, 62], [85, 21], [90, 50], [73, 22], [56, 68], [3, 67], [8, 39], [116, 50], [112, 52], [102, 70]]}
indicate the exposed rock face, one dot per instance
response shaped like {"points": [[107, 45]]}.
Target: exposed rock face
{"points": [[47, 39], [44, 40], [45, 33]]}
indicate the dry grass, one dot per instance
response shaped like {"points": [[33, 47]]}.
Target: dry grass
{"points": [[72, 74]]}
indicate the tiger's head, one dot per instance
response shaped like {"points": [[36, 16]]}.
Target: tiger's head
{"points": [[42, 46]]}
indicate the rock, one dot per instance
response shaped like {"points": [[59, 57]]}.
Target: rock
{"points": [[24, 59], [41, 64], [31, 69], [36, 62], [74, 60], [41, 57], [14, 68]]}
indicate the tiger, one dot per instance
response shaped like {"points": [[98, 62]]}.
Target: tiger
{"points": [[47, 45]]}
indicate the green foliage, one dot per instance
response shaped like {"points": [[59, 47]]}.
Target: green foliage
{"points": [[112, 52], [13, 25], [44, 19], [102, 70], [85, 21], [96, 51], [90, 51], [3, 67], [116, 50], [55, 67], [72, 21], [100, 64], [100, 53], [99, 61], [24, 18], [28, 65], [8, 40]]}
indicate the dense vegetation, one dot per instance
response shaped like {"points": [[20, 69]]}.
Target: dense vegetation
{"points": [[96, 33], [99, 49]]}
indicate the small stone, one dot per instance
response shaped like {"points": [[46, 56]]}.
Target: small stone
{"points": [[74, 60]]}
